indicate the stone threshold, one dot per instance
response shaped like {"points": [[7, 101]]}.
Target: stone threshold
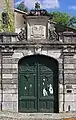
{"points": [[37, 116]]}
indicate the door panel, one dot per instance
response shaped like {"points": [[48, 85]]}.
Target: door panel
{"points": [[27, 88], [45, 89], [37, 87]]}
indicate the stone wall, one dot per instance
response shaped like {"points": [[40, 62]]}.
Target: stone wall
{"points": [[12, 50]]}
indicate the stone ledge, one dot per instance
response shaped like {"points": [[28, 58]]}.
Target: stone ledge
{"points": [[37, 116], [8, 34]]}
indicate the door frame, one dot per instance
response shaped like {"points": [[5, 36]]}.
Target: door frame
{"points": [[56, 62]]}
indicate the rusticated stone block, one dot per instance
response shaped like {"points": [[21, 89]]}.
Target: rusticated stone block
{"points": [[15, 76], [14, 66], [10, 86], [9, 70], [9, 81], [68, 59], [7, 60], [7, 97], [69, 71], [7, 106], [15, 60], [5, 76], [68, 66], [11, 90], [7, 65], [69, 76]]}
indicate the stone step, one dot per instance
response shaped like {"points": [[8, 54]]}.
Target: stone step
{"points": [[37, 116]]}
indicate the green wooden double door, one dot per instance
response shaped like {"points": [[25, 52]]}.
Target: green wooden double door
{"points": [[37, 85]]}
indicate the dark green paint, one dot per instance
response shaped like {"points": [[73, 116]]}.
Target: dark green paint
{"points": [[36, 75]]}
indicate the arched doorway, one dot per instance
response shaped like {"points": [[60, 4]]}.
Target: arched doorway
{"points": [[38, 84]]}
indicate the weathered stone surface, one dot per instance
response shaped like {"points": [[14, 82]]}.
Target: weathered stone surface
{"points": [[60, 76], [70, 81], [11, 90], [69, 76], [15, 60], [16, 50], [7, 106], [69, 97], [7, 65], [60, 97], [9, 70], [60, 106], [68, 66], [10, 86], [14, 66], [68, 39], [7, 60], [69, 119], [36, 116], [17, 55], [9, 81], [60, 66], [5, 76], [15, 76], [54, 54], [15, 97], [68, 59], [60, 88], [7, 97], [15, 106], [70, 71], [70, 106]]}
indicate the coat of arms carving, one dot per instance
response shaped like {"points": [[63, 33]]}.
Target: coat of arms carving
{"points": [[37, 31]]}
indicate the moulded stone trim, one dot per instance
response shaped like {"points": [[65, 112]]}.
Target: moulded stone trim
{"points": [[61, 97], [60, 76], [15, 97], [60, 88], [44, 52], [60, 106], [0, 66], [15, 60], [59, 60], [15, 106], [15, 75], [54, 54], [0, 95], [30, 52]]}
